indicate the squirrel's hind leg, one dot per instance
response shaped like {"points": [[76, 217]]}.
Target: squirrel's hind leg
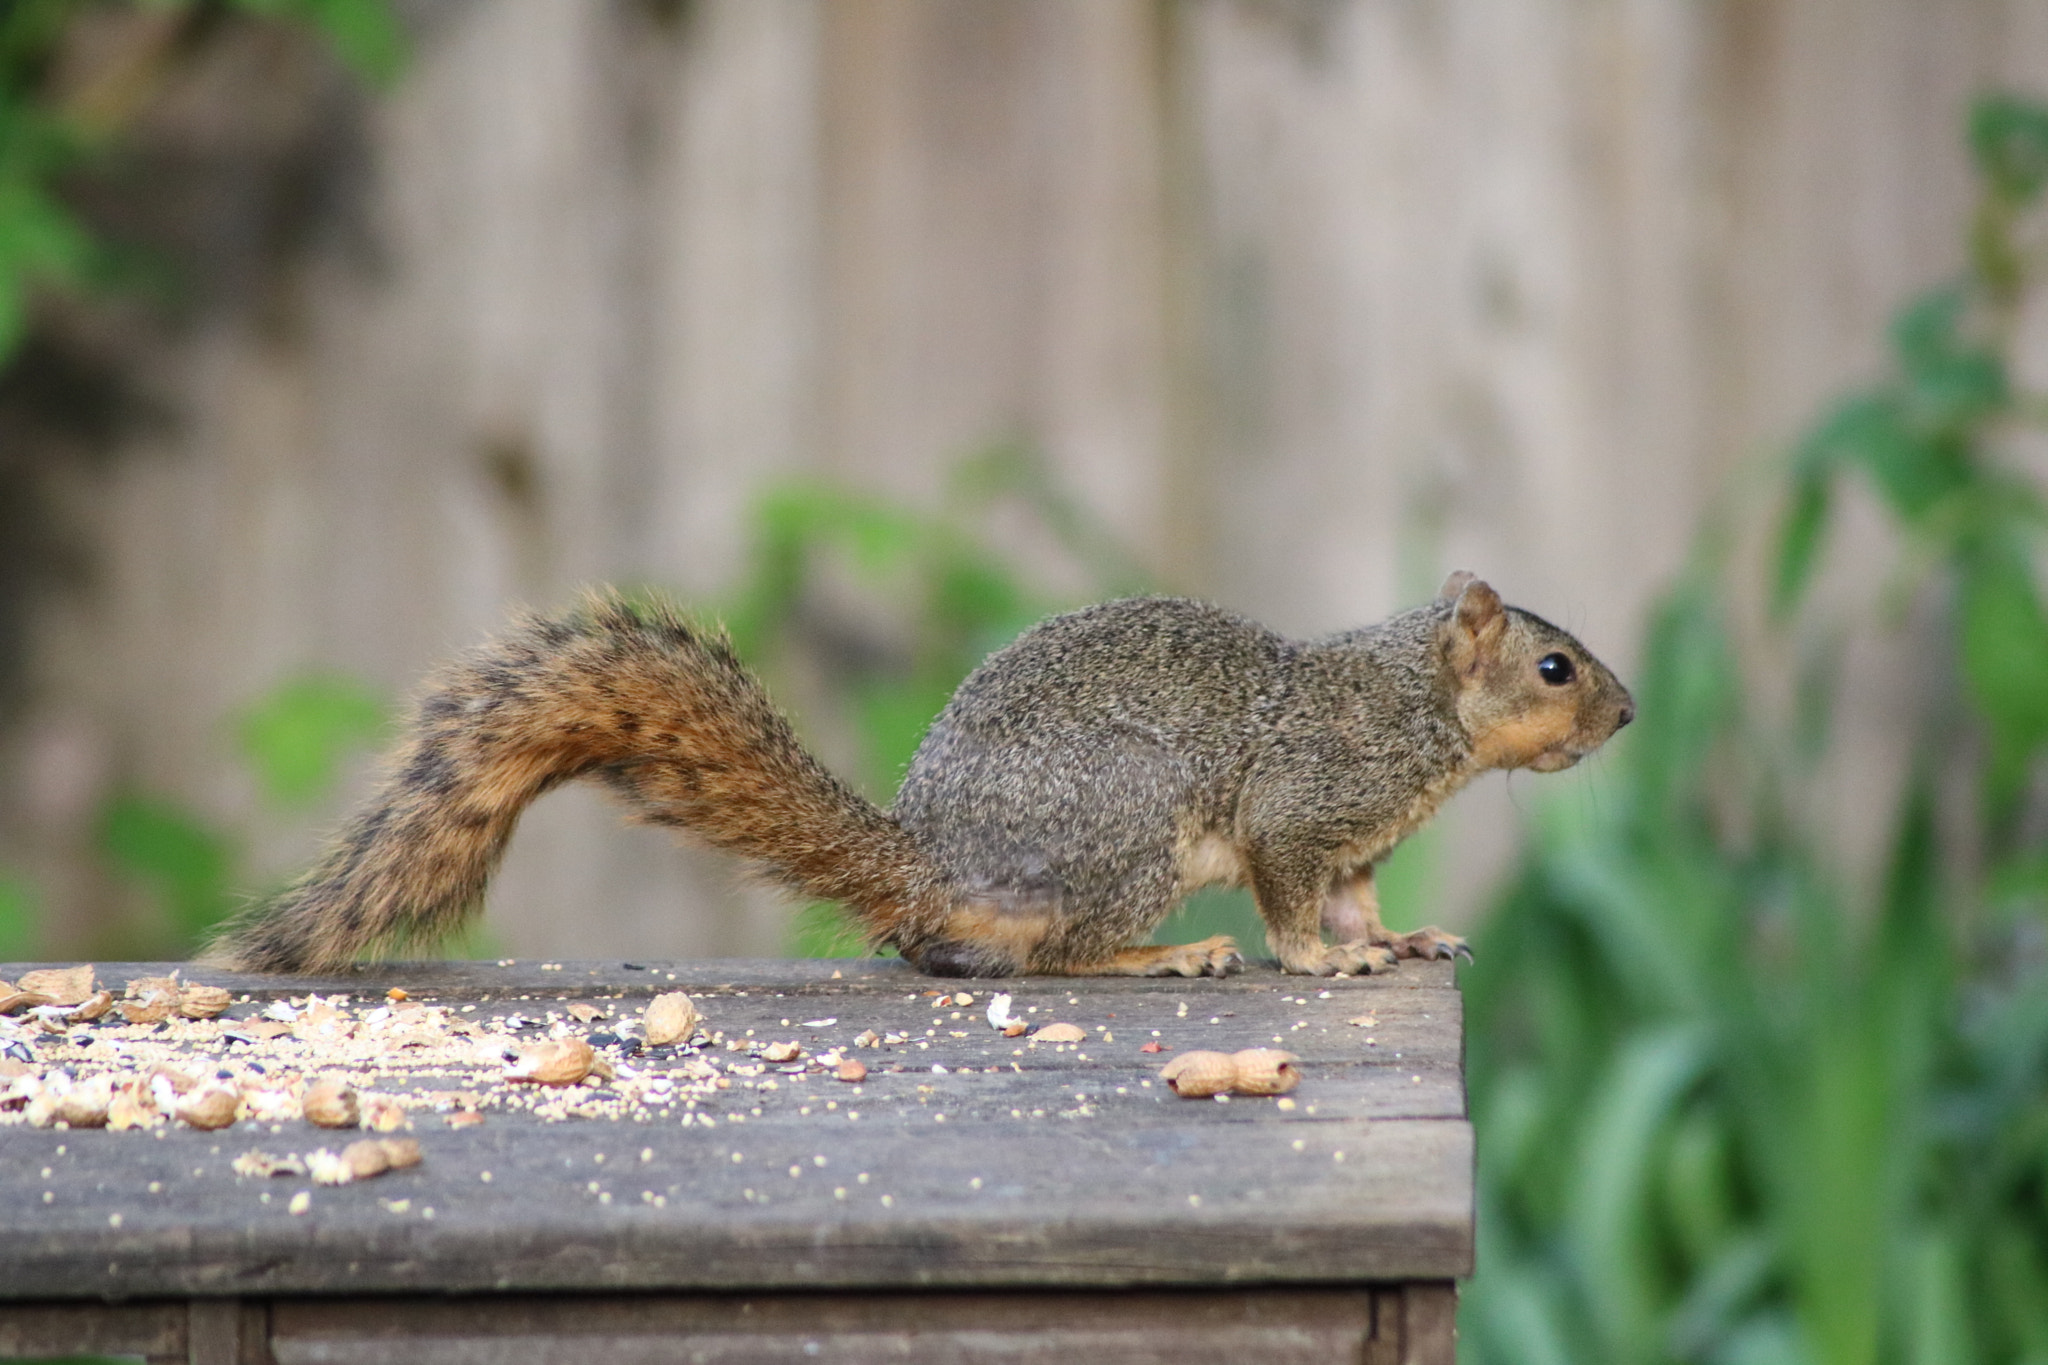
{"points": [[992, 935], [1216, 956]]}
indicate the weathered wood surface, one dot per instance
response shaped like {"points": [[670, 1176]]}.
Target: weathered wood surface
{"points": [[1014, 1166], [1384, 1325]]}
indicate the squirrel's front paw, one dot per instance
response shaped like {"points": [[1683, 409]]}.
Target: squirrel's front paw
{"points": [[1358, 958], [1431, 945]]}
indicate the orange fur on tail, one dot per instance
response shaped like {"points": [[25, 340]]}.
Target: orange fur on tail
{"points": [[661, 711]]}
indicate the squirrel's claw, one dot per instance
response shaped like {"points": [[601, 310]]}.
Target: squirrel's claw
{"points": [[1431, 945]]}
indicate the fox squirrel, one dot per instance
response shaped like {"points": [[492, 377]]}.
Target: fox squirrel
{"points": [[1081, 782]]}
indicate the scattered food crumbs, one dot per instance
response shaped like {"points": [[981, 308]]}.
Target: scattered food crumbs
{"points": [[301, 1201]]}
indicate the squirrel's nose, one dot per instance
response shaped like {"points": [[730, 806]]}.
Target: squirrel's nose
{"points": [[1628, 713]]}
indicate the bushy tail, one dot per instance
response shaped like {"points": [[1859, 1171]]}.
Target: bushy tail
{"points": [[661, 711]]}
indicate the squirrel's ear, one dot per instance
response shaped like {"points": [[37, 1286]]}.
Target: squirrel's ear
{"points": [[1455, 584], [1476, 625]]}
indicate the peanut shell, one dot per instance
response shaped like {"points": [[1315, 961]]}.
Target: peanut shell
{"points": [[64, 985], [203, 1002], [382, 1114], [85, 1105], [151, 999], [366, 1158], [1060, 1033], [670, 1018], [400, 1152], [1266, 1071], [133, 1107], [214, 1107], [329, 1103], [1198, 1075], [562, 1062]]}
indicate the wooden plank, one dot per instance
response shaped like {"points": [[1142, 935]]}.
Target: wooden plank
{"points": [[1429, 1324], [1077, 1204], [964, 1159], [62, 1329], [1027, 1329], [228, 1331]]}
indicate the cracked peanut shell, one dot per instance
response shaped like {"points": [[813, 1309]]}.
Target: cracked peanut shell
{"points": [[1198, 1075], [329, 1103], [562, 1062], [1265, 1071], [670, 1018]]}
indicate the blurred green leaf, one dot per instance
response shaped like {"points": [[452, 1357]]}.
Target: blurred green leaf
{"points": [[1799, 540], [823, 929], [17, 920], [365, 33], [2009, 136], [297, 736], [183, 862], [1950, 379], [2005, 649]]}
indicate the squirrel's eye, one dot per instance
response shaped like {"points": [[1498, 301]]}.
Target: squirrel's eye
{"points": [[1556, 669]]}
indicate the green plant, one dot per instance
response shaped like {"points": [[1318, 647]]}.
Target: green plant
{"points": [[1729, 1110]]}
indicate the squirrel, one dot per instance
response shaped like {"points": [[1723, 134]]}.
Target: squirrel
{"points": [[1081, 782]]}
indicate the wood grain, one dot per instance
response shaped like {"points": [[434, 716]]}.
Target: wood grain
{"points": [[1058, 1167]]}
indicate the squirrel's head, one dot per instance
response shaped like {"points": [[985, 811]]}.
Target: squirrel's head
{"points": [[1529, 695]]}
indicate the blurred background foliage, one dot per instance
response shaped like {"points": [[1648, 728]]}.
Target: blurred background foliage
{"points": [[54, 132], [1730, 1108], [51, 131]]}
